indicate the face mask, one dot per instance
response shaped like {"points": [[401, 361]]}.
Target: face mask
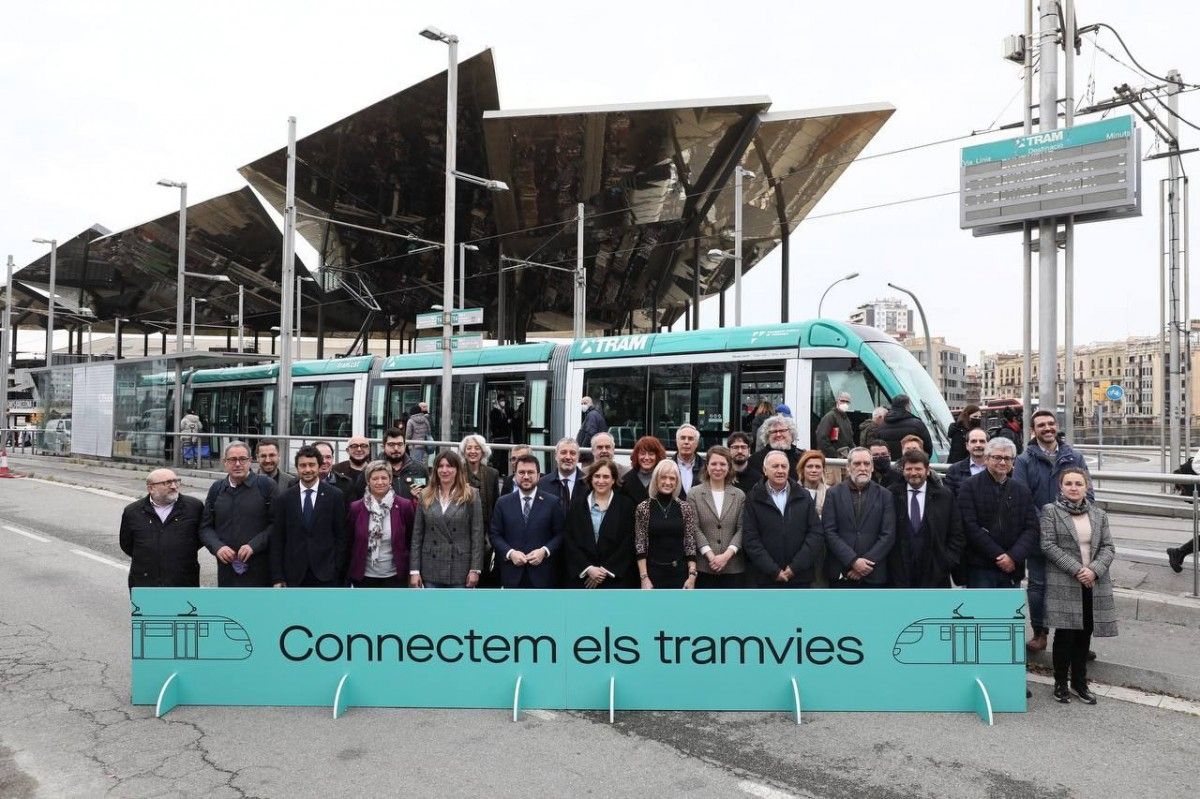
{"points": [[583, 407], [972, 423], [882, 463], [843, 406]]}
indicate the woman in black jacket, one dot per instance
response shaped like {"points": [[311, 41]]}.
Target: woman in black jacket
{"points": [[970, 418], [598, 538], [647, 452]]}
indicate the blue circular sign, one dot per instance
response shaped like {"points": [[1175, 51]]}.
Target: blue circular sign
{"points": [[1115, 393]]}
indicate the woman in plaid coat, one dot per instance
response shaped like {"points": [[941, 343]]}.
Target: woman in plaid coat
{"points": [[1079, 597]]}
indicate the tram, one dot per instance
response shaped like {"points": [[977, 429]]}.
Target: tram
{"points": [[645, 384]]}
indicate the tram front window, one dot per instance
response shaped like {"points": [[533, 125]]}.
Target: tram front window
{"points": [[928, 405], [832, 376]]}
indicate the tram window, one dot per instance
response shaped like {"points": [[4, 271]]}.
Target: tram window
{"points": [[159, 629], [466, 409], [714, 398], [830, 377], [945, 632], [759, 383], [670, 401], [621, 396], [304, 410], [203, 629], [337, 408], [994, 632]]}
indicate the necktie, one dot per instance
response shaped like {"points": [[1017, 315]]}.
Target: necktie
{"points": [[308, 507], [914, 511], [565, 496], [525, 507]]}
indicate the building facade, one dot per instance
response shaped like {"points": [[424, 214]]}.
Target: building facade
{"points": [[891, 315], [951, 372]]}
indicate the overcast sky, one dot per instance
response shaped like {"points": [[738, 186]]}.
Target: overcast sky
{"points": [[103, 99]]}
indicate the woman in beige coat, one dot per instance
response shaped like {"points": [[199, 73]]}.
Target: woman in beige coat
{"points": [[718, 504]]}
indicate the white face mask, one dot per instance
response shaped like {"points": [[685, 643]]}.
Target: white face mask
{"points": [[843, 406], [584, 406]]}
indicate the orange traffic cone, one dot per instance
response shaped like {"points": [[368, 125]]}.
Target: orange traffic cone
{"points": [[4, 472]]}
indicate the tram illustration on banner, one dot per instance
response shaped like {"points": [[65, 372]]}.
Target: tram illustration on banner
{"points": [[962, 640], [188, 636]]}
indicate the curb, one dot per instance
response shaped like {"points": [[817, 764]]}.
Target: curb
{"points": [[1185, 686], [1163, 608]]}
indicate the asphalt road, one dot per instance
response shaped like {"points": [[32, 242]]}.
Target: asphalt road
{"points": [[67, 728]]}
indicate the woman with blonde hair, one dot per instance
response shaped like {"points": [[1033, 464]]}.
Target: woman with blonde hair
{"points": [[447, 541], [664, 533]]}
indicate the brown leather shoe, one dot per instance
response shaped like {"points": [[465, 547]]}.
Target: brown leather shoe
{"points": [[1037, 643]]}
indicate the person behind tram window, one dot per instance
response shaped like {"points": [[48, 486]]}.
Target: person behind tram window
{"points": [[407, 475], [604, 447], [718, 503], [969, 419], [236, 527], [975, 462], [929, 536], [835, 432], [762, 412], [447, 540], [268, 463], [380, 523], [898, 423], [687, 439], [860, 527], [161, 533], [867, 430], [1000, 521], [417, 430], [593, 422], [1078, 545], [476, 453], [741, 475], [509, 485], [647, 452], [779, 433], [567, 479], [598, 537], [500, 427], [781, 529], [664, 533]]}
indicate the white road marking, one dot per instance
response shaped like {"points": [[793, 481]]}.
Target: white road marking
{"points": [[100, 492], [100, 559], [764, 791], [27, 534]]}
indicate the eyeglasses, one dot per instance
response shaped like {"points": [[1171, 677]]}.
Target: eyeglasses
{"points": [[356, 446], [174, 482], [237, 460], [1001, 458], [779, 430]]}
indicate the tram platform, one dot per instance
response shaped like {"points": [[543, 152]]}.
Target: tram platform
{"points": [[1156, 652]]}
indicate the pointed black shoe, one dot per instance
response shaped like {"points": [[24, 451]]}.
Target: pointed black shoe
{"points": [[1085, 696], [1061, 693], [1176, 559]]}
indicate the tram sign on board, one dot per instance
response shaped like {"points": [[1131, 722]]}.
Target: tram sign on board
{"points": [[466, 316], [1091, 172], [467, 341]]}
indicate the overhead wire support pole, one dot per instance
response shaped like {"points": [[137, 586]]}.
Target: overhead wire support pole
{"points": [[1069, 244], [1047, 228], [580, 327], [1026, 243], [1174, 287], [7, 334], [283, 397]]}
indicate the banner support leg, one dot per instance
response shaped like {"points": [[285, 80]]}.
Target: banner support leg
{"points": [[168, 696], [517, 699], [796, 698], [339, 697], [984, 707], [612, 692]]}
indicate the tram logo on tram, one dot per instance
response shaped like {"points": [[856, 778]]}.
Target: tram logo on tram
{"points": [[963, 640], [188, 636]]}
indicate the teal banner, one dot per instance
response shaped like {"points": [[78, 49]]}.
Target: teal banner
{"points": [[1061, 139], [924, 650]]}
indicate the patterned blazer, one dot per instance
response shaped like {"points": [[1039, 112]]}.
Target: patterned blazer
{"points": [[719, 531], [446, 546], [1064, 594]]}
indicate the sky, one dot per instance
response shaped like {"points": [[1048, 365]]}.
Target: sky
{"points": [[102, 100]]}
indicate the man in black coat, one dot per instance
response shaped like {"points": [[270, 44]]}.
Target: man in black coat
{"points": [[929, 536], [899, 423], [161, 534], [1000, 521], [973, 464], [236, 526], [781, 532], [778, 432], [308, 538]]}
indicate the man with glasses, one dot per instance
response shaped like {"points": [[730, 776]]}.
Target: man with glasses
{"points": [[777, 433], [407, 475], [739, 448], [1000, 521], [161, 534], [236, 526], [358, 452], [510, 480]]}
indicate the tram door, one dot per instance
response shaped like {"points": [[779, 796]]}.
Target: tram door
{"points": [[506, 401], [966, 643], [254, 416], [401, 397], [759, 383], [187, 640]]}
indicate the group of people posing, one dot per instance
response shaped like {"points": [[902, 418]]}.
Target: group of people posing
{"points": [[774, 516]]}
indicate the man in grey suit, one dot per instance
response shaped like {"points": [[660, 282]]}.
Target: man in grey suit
{"points": [[859, 518]]}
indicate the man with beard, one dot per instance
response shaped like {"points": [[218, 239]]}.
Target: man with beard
{"points": [[777, 433], [739, 449], [859, 518], [407, 474], [358, 451], [929, 536], [161, 534], [268, 463]]}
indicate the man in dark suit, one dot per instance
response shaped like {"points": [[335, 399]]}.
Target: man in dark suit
{"points": [[1000, 521], [563, 482], [973, 464], [859, 518], [308, 541], [510, 479], [929, 536], [781, 532], [527, 531], [325, 471], [161, 534]]}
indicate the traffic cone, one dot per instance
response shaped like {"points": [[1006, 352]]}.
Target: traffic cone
{"points": [[4, 472]]}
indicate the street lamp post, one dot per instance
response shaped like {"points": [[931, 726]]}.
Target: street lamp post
{"points": [[50, 300], [194, 301], [181, 262], [821, 303], [929, 366], [738, 175], [6, 332]]}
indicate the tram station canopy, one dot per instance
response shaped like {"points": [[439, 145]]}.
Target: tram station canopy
{"points": [[655, 180]]}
